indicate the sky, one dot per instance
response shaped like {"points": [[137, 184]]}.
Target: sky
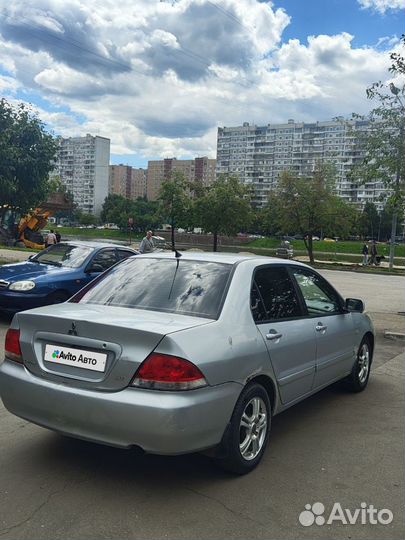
{"points": [[159, 77]]}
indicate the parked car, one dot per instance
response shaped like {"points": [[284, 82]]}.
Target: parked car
{"points": [[56, 273], [182, 354], [285, 251]]}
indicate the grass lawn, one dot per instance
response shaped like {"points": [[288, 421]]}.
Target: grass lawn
{"points": [[328, 247], [96, 233]]}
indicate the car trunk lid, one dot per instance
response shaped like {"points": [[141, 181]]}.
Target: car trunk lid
{"points": [[91, 346]]}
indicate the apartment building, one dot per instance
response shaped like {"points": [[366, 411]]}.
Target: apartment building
{"points": [[126, 181], [138, 184], [119, 182], [200, 169], [259, 154], [82, 164]]}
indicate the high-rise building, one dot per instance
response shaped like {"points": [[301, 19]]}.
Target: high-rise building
{"points": [[138, 184], [82, 165], [126, 181], [198, 169], [259, 154], [119, 182]]}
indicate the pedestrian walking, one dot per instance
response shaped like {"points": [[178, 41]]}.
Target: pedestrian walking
{"points": [[373, 253], [365, 254], [147, 245], [50, 239]]}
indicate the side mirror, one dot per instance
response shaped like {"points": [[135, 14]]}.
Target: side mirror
{"points": [[95, 268], [354, 304]]}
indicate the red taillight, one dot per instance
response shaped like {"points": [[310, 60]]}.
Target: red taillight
{"points": [[12, 345], [166, 372]]}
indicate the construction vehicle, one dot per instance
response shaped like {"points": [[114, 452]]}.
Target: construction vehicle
{"points": [[27, 233]]}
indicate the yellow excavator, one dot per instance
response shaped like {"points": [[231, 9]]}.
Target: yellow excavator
{"points": [[28, 231]]}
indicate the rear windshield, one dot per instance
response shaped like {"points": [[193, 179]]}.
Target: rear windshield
{"points": [[173, 286]]}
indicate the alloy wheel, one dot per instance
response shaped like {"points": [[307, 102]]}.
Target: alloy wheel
{"points": [[253, 427], [363, 363]]}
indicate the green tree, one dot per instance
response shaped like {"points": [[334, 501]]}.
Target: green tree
{"points": [[175, 203], [341, 220], [369, 221], [145, 214], [117, 209], [27, 152], [385, 220], [87, 219], [384, 141], [305, 205], [269, 217], [224, 208]]}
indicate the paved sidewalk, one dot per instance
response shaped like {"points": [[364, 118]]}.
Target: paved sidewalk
{"points": [[383, 264]]}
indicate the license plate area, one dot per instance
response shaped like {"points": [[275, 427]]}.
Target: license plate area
{"points": [[77, 358]]}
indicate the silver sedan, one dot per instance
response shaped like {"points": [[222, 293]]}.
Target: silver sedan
{"points": [[182, 354]]}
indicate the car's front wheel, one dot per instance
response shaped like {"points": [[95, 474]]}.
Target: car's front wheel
{"points": [[246, 438], [358, 379]]}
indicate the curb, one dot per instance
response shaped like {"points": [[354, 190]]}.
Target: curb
{"points": [[394, 335]]}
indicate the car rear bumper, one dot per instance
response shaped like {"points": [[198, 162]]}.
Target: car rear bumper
{"points": [[157, 422]]}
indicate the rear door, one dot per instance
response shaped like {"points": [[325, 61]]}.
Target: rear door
{"points": [[101, 261], [334, 328], [288, 334]]}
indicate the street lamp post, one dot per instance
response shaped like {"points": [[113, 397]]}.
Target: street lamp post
{"points": [[395, 91]]}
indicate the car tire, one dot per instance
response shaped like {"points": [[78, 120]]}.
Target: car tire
{"points": [[57, 297], [358, 379], [247, 434]]}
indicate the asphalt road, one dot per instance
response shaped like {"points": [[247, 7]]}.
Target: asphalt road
{"points": [[333, 448]]}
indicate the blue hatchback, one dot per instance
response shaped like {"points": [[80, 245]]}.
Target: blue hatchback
{"points": [[56, 273]]}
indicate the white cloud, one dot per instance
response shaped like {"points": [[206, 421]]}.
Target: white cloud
{"points": [[387, 42], [158, 79], [8, 85], [160, 37], [382, 5]]}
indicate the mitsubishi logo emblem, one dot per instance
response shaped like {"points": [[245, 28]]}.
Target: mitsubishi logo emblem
{"points": [[73, 331]]}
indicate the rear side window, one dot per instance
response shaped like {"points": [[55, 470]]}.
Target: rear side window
{"points": [[273, 295], [105, 258], [124, 254], [169, 285]]}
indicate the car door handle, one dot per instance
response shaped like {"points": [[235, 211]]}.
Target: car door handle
{"points": [[320, 327], [273, 335]]}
